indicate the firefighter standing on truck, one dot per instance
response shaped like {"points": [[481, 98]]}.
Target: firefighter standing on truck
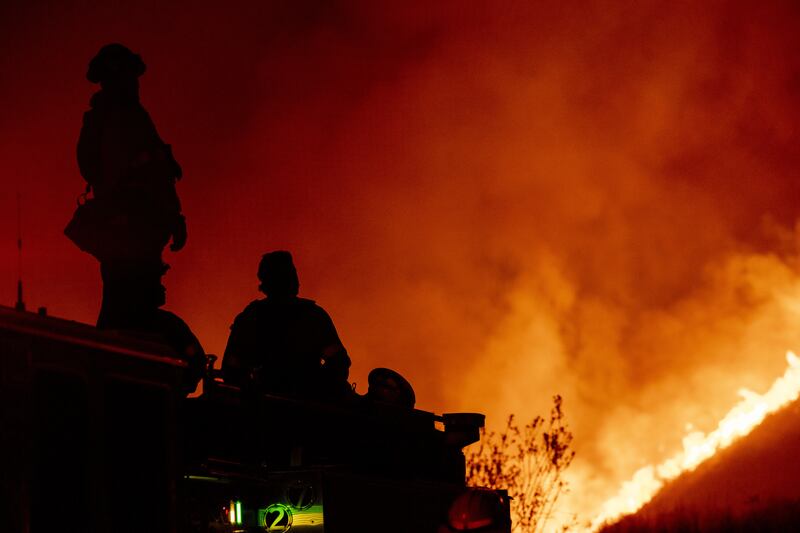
{"points": [[131, 173]]}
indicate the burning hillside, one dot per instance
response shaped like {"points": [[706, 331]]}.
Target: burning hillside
{"points": [[752, 482]]}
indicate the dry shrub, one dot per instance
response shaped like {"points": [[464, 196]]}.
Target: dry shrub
{"points": [[528, 462]]}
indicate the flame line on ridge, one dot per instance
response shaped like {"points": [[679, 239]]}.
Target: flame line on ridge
{"points": [[697, 446]]}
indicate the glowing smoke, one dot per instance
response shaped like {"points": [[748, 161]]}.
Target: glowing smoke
{"points": [[510, 200]]}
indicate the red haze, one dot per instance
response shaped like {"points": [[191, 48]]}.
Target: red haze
{"points": [[501, 201]]}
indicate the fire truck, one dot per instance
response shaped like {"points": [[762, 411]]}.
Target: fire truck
{"points": [[98, 437]]}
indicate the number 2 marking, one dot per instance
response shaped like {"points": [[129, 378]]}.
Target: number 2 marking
{"points": [[274, 526], [282, 521]]}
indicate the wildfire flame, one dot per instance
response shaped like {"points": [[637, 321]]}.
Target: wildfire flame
{"points": [[697, 446]]}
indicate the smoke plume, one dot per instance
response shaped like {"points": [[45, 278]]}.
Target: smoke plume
{"points": [[501, 201]]}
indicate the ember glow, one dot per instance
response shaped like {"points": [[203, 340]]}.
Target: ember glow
{"points": [[697, 446]]}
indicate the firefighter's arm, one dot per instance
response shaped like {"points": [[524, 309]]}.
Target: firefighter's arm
{"points": [[178, 233], [234, 368], [172, 204], [336, 361], [88, 150]]}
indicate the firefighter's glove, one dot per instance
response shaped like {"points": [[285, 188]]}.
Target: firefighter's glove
{"points": [[178, 234]]}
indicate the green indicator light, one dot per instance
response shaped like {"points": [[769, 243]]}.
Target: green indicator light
{"points": [[235, 512]]}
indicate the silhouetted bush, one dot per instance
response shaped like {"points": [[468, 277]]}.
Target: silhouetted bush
{"points": [[528, 462]]}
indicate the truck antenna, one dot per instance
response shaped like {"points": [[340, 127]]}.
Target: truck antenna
{"points": [[20, 305]]}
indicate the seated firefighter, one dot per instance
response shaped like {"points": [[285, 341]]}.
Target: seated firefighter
{"points": [[283, 344]]}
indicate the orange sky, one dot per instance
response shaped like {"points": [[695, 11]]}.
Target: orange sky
{"points": [[500, 200]]}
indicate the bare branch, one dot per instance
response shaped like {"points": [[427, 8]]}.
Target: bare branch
{"points": [[528, 462]]}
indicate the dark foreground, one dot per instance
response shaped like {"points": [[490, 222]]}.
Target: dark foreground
{"points": [[97, 437]]}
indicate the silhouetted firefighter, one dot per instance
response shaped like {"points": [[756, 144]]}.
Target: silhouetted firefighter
{"points": [[135, 209], [284, 344]]}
